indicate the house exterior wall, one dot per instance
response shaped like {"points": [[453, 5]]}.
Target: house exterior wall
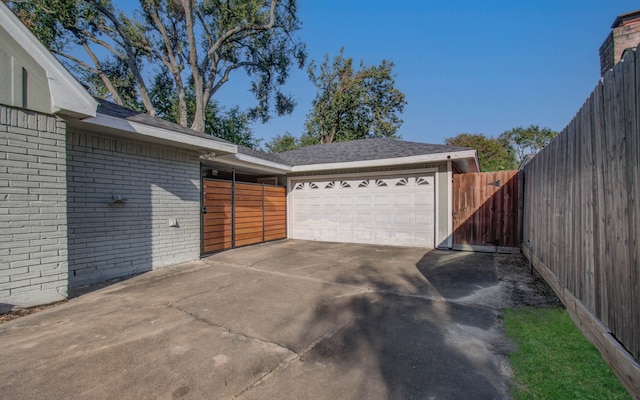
{"points": [[157, 225], [624, 36], [443, 192], [33, 213], [22, 82]]}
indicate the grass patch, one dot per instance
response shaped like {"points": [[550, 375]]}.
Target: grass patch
{"points": [[553, 360]]}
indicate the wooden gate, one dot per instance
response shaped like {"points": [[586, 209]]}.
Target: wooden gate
{"points": [[486, 211], [239, 214]]}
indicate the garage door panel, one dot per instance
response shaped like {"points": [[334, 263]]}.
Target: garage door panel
{"points": [[401, 200], [329, 201], [383, 218], [346, 200], [384, 211], [364, 218], [332, 217], [383, 200], [423, 200], [364, 235], [403, 219], [363, 200], [424, 218]]}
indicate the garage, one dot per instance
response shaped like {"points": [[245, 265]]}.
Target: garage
{"points": [[397, 210]]}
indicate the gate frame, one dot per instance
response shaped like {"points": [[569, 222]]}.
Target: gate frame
{"points": [[233, 210]]}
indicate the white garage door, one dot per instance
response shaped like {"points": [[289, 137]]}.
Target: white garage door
{"points": [[393, 211]]}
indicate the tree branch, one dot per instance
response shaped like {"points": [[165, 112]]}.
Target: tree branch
{"points": [[232, 32], [131, 59]]}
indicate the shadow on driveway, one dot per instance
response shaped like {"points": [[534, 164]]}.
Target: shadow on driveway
{"points": [[285, 320], [404, 336]]}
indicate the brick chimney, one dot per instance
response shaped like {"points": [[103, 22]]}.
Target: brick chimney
{"points": [[625, 34]]}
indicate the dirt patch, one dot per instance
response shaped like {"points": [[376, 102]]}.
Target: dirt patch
{"points": [[522, 286], [21, 312]]}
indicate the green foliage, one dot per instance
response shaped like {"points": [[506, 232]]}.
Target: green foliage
{"points": [[213, 39], [201, 43], [282, 143], [121, 78], [353, 104], [529, 140], [554, 361], [493, 154], [232, 125]]}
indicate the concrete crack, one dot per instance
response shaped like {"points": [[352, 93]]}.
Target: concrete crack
{"points": [[295, 356], [227, 330]]}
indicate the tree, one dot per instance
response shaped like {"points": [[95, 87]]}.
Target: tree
{"points": [[282, 143], [493, 154], [529, 140], [353, 104], [232, 125], [201, 43]]}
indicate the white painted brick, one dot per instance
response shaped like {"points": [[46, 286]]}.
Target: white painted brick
{"points": [[33, 182], [116, 241], [57, 285], [11, 285], [25, 289]]}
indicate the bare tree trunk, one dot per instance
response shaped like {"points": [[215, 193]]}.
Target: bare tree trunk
{"points": [[103, 77], [198, 81], [130, 59]]}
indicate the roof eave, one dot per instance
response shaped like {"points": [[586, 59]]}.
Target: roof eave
{"points": [[134, 130], [68, 97], [247, 161], [465, 159]]}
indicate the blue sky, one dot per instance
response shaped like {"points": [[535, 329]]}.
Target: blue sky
{"points": [[464, 66]]}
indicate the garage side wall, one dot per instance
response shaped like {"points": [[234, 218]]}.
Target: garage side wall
{"points": [[443, 207], [133, 207], [33, 242]]}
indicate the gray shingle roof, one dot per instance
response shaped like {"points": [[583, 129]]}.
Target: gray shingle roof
{"points": [[114, 110], [362, 150], [262, 155], [339, 152]]}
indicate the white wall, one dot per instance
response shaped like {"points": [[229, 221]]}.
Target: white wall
{"points": [[14, 62], [33, 213], [159, 184]]}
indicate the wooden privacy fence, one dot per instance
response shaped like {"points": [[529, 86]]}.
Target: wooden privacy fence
{"points": [[582, 218], [486, 209], [238, 214]]}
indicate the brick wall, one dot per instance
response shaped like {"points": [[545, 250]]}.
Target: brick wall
{"points": [[625, 37], [622, 37], [160, 184], [33, 232]]}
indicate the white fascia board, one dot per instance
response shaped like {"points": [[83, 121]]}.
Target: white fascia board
{"points": [[67, 95], [152, 133], [477, 162], [386, 162], [247, 161]]}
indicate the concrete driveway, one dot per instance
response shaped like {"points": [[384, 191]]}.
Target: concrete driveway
{"points": [[285, 320]]}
